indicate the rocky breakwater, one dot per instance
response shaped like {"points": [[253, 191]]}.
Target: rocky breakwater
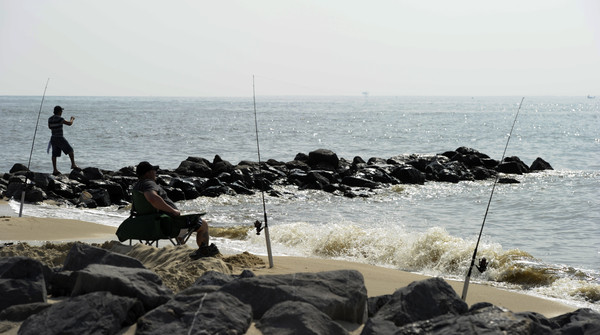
{"points": [[321, 169], [107, 291]]}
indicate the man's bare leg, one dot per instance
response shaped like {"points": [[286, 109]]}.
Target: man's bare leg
{"points": [[54, 169], [73, 165], [202, 234]]}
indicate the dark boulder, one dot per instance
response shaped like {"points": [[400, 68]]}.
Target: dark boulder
{"points": [[15, 187], [488, 320], [142, 284], [34, 194], [421, 300], [469, 160], [409, 175], [508, 181], [297, 177], [419, 163], [94, 313], [115, 190], [195, 167], [197, 313], [66, 190], [297, 317], [81, 255], [42, 180], [471, 151], [21, 281], [482, 173], [323, 159], [315, 180], [219, 279], [539, 165], [339, 294], [100, 196], [299, 165], [174, 193], [128, 171], [18, 313], [92, 173], [302, 157], [377, 161], [78, 176], [375, 303], [359, 182], [448, 175], [18, 167], [581, 321], [62, 281], [512, 165], [378, 174], [220, 166], [187, 186], [215, 191], [240, 188]]}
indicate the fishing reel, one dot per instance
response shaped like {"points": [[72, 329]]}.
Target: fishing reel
{"points": [[258, 226], [483, 264]]}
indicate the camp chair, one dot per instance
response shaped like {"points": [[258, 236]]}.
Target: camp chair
{"points": [[148, 226]]}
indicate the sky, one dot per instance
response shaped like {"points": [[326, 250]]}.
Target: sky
{"points": [[308, 47]]}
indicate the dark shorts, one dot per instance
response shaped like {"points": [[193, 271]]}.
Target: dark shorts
{"points": [[60, 144]]}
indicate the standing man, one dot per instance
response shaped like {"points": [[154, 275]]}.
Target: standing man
{"points": [[58, 141]]}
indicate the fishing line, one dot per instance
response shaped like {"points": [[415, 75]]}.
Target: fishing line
{"points": [[483, 262], [31, 153], [262, 188]]}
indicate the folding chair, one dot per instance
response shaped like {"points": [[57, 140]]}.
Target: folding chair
{"points": [[148, 226]]}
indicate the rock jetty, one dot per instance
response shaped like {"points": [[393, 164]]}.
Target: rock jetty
{"points": [[321, 169], [105, 291]]}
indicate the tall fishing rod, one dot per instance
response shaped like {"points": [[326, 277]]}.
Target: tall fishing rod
{"points": [[31, 152], [483, 263], [257, 224]]}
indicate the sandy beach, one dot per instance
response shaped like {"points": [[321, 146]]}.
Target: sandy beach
{"points": [[378, 280]]}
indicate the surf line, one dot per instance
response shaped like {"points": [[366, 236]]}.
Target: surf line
{"points": [[483, 262], [31, 152], [258, 224]]}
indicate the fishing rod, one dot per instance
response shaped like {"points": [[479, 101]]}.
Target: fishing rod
{"points": [[257, 224], [31, 153], [483, 262]]}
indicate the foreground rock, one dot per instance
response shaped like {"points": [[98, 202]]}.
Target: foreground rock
{"points": [[94, 313], [321, 169], [226, 303]]}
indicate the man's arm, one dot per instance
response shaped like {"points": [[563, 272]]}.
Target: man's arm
{"points": [[68, 123], [159, 203]]}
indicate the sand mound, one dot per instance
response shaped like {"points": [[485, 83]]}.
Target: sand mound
{"points": [[171, 263], [51, 254]]}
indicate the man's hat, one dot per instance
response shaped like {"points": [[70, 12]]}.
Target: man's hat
{"points": [[144, 167]]}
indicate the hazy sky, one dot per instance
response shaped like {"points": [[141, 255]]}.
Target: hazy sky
{"points": [[309, 47]]}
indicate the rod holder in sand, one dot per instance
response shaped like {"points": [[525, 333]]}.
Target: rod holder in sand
{"points": [[262, 186], [468, 277]]}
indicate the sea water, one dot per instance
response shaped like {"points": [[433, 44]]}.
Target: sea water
{"points": [[541, 236]]}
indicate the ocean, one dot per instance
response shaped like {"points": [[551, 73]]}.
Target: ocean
{"points": [[541, 236]]}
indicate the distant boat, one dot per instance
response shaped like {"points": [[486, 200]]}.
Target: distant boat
{"points": [[591, 97]]}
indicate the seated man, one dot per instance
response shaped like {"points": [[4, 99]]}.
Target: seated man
{"points": [[158, 198]]}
